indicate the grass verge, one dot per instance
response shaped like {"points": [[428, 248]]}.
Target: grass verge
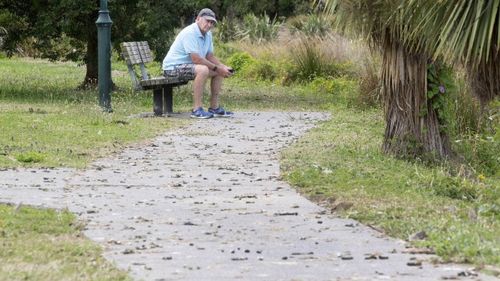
{"points": [[47, 245], [351, 176], [47, 122]]}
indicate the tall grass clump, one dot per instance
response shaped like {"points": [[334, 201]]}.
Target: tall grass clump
{"points": [[309, 61], [312, 58], [463, 107], [479, 144], [369, 83]]}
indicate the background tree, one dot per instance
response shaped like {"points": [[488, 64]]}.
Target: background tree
{"points": [[66, 29], [239, 8], [14, 18], [412, 121]]}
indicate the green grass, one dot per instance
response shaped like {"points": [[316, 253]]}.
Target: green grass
{"points": [[47, 245], [341, 162], [47, 122]]}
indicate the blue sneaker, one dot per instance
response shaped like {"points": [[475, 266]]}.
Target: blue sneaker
{"points": [[220, 112], [201, 114]]}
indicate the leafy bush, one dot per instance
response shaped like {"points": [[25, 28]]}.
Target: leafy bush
{"points": [[262, 70], [258, 69], [11, 28], [239, 60], [322, 86], [224, 51], [64, 48], [481, 153]]}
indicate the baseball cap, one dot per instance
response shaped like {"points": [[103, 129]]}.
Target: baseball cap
{"points": [[207, 14]]}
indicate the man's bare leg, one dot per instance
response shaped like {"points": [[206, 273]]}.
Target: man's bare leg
{"points": [[201, 75], [215, 88]]}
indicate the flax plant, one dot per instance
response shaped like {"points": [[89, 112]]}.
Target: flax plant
{"points": [[412, 123], [462, 31]]}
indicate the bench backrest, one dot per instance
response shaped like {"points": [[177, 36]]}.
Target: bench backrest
{"points": [[137, 53]]}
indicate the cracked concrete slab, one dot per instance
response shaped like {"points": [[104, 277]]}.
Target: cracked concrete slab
{"points": [[205, 202]]}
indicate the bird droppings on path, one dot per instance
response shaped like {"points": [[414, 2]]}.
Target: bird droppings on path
{"points": [[205, 202]]}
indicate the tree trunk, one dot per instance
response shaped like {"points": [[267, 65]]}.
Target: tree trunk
{"points": [[412, 125], [91, 75]]}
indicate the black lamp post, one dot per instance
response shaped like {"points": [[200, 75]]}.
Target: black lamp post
{"points": [[104, 56]]}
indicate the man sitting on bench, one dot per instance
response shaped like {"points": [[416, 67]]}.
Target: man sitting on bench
{"points": [[191, 56]]}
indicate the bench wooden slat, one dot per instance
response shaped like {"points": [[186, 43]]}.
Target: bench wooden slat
{"points": [[158, 81]]}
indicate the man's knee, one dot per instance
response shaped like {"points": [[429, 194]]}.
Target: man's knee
{"points": [[201, 70]]}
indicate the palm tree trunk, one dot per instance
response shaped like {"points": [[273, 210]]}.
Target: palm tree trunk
{"points": [[412, 125]]}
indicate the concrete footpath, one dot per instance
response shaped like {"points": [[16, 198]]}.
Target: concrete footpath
{"points": [[205, 202]]}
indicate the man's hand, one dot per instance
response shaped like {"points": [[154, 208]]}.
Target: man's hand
{"points": [[224, 71], [228, 71]]}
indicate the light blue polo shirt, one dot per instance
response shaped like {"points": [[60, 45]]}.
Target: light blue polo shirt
{"points": [[189, 40]]}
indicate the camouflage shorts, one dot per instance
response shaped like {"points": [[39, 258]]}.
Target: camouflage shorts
{"points": [[183, 71]]}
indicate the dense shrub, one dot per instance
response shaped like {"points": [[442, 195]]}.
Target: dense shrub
{"points": [[224, 51], [239, 60]]}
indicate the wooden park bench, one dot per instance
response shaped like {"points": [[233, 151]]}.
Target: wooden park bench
{"points": [[138, 53]]}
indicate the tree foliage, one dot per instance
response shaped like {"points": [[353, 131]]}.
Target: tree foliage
{"points": [[66, 29], [239, 8], [14, 24]]}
